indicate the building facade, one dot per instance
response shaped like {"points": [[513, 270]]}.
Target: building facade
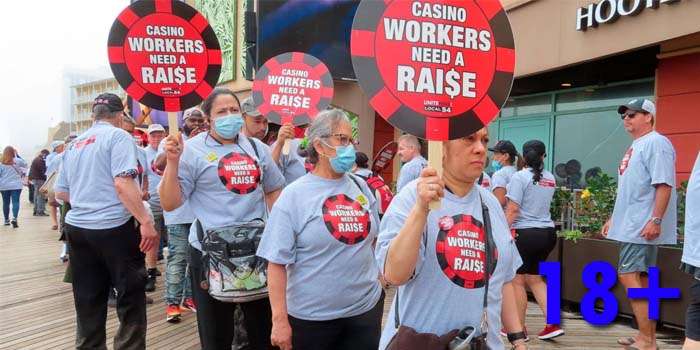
{"points": [[82, 97]]}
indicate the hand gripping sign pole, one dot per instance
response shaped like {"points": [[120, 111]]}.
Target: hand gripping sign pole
{"points": [[292, 88], [436, 69], [165, 55]]}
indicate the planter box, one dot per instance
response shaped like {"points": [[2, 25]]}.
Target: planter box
{"points": [[575, 256]]}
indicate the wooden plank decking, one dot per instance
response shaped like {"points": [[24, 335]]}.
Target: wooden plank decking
{"points": [[36, 307]]}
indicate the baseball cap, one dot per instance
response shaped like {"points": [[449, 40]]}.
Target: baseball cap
{"points": [[188, 113], [154, 128], [248, 107], [55, 144], [112, 101], [638, 105], [504, 146]]}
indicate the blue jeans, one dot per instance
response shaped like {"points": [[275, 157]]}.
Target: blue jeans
{"points": [[39, 200], [177, 273], [13, 196]]}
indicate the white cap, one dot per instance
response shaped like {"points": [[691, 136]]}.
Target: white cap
{"points": [[154, 128], [188, 112], [55, 144]]}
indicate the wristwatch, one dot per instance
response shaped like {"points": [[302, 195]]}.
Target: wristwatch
{"points": [[655, 220]]}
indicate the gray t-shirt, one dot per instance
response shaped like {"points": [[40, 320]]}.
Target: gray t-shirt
{"points": [[326, 244], [87, 173], [292, 164], [181, 215], [11, 175], [533, 199], [366, 173], [153, 179], [691, 245], [486, 181], [226, 184], [410, 171], [501, 178], [51, 164], [650, 160], [446, 291]]}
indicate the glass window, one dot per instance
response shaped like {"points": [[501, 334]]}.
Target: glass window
{"points": [[603, 97], [519, 106]]}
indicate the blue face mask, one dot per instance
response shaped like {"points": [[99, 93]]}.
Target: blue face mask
{"points": [[344, 159], [496, 165], [228, 126]]}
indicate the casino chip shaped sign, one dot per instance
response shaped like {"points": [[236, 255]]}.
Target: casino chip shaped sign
{"points": [[439, 70], [164, 54], [292, 88]]}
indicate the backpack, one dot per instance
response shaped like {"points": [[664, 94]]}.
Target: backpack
{"points": [[232, 271], [380, 190]]}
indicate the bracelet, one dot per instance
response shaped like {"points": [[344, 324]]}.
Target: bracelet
{"points": [[512, 337]]}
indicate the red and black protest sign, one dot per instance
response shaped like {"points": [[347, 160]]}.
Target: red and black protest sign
{"points": [[292, 88], [625, 161], [240, 173], [461, 250], [164, 54], [438, 70], [346, 219], [383, 159]]}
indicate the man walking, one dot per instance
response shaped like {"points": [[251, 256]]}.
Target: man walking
{"points": [[37, 175], [409, 152], [97, 178], [645, 209]]}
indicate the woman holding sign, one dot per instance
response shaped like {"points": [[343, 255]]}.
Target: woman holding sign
{"points": [[450, 263], [323, 281], [227, 180]]}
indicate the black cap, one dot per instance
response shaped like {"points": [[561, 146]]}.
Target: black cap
{"points": [[534, 146], [504, 146], [112, 101]]}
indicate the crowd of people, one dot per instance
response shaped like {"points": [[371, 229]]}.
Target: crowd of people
{"points": [[294, 248]]}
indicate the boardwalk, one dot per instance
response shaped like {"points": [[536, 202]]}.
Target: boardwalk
{"points": [[36, 307]]}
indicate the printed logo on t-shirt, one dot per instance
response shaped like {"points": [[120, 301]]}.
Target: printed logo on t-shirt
{"points": [[461, 250], [547, 183], [82, 143], [485, 183], [239, 173], [346, 219], [625, 160]]}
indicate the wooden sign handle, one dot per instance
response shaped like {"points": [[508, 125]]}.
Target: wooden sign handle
{"points": [[286, 147], [435, 162], [172, 123]]}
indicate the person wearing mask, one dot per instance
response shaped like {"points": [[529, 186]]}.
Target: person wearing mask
{"points": [[690, 262], [105, 246], [505, 164], [12, 170], [410, 154], [37, 176], [291, 165], [53, 161], [530, 194], [326, 242], [449, 254], [200, 171], [644, 215]]}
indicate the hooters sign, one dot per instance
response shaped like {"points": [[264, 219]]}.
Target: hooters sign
{"points": [[437, 69], [164, 54]]}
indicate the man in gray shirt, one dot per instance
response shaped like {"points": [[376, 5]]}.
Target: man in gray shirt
{"points": [[645, 208], [409, 152]]}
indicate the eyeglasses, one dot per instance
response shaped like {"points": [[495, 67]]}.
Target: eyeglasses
{"points": [[628, 115], [343, 139]]}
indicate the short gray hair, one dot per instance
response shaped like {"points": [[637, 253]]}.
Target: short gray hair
{"points": [[322, 127], [101, 112], [410, 140]]}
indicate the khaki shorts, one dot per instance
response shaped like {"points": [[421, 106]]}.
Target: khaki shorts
{"points": [[636, 257]]}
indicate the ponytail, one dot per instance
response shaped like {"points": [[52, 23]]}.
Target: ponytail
{"points": [[520, 162], [533, 159]]}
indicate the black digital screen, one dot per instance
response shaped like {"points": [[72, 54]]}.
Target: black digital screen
{"points": [[318, 27]]}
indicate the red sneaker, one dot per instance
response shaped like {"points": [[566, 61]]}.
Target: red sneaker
{"points": [[189, 304], [550, 331], [172, 313]]}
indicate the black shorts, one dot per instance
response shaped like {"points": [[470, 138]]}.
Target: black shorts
{"points": [[534, 246]]}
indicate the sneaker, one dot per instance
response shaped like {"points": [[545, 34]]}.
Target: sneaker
{"points": [[188, 303], [172, 313], [150, 284], [504, 334], [7, 222], [550, 331], [14, 223]]}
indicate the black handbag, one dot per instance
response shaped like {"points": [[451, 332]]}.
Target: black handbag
{"points": [[406, 338]]}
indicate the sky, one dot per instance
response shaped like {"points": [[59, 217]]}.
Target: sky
{"points": [[39, 40]]}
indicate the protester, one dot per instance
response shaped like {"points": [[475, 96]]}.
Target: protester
{"points": [[228, 179], [104, 241], [530, 194], [645, 209], [410, 154], [443, 260], [326, 242], [12, 170], [63, 210], [53, 161], [505, 164], [690, 263], [37, 176], [378, 187]]}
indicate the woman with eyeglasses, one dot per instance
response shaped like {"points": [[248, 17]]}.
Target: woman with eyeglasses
{"points": [[322, 278], [450, 263], [227, 179]]}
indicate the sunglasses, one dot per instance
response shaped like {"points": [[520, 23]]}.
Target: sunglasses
{"points": [[628, 115]]}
